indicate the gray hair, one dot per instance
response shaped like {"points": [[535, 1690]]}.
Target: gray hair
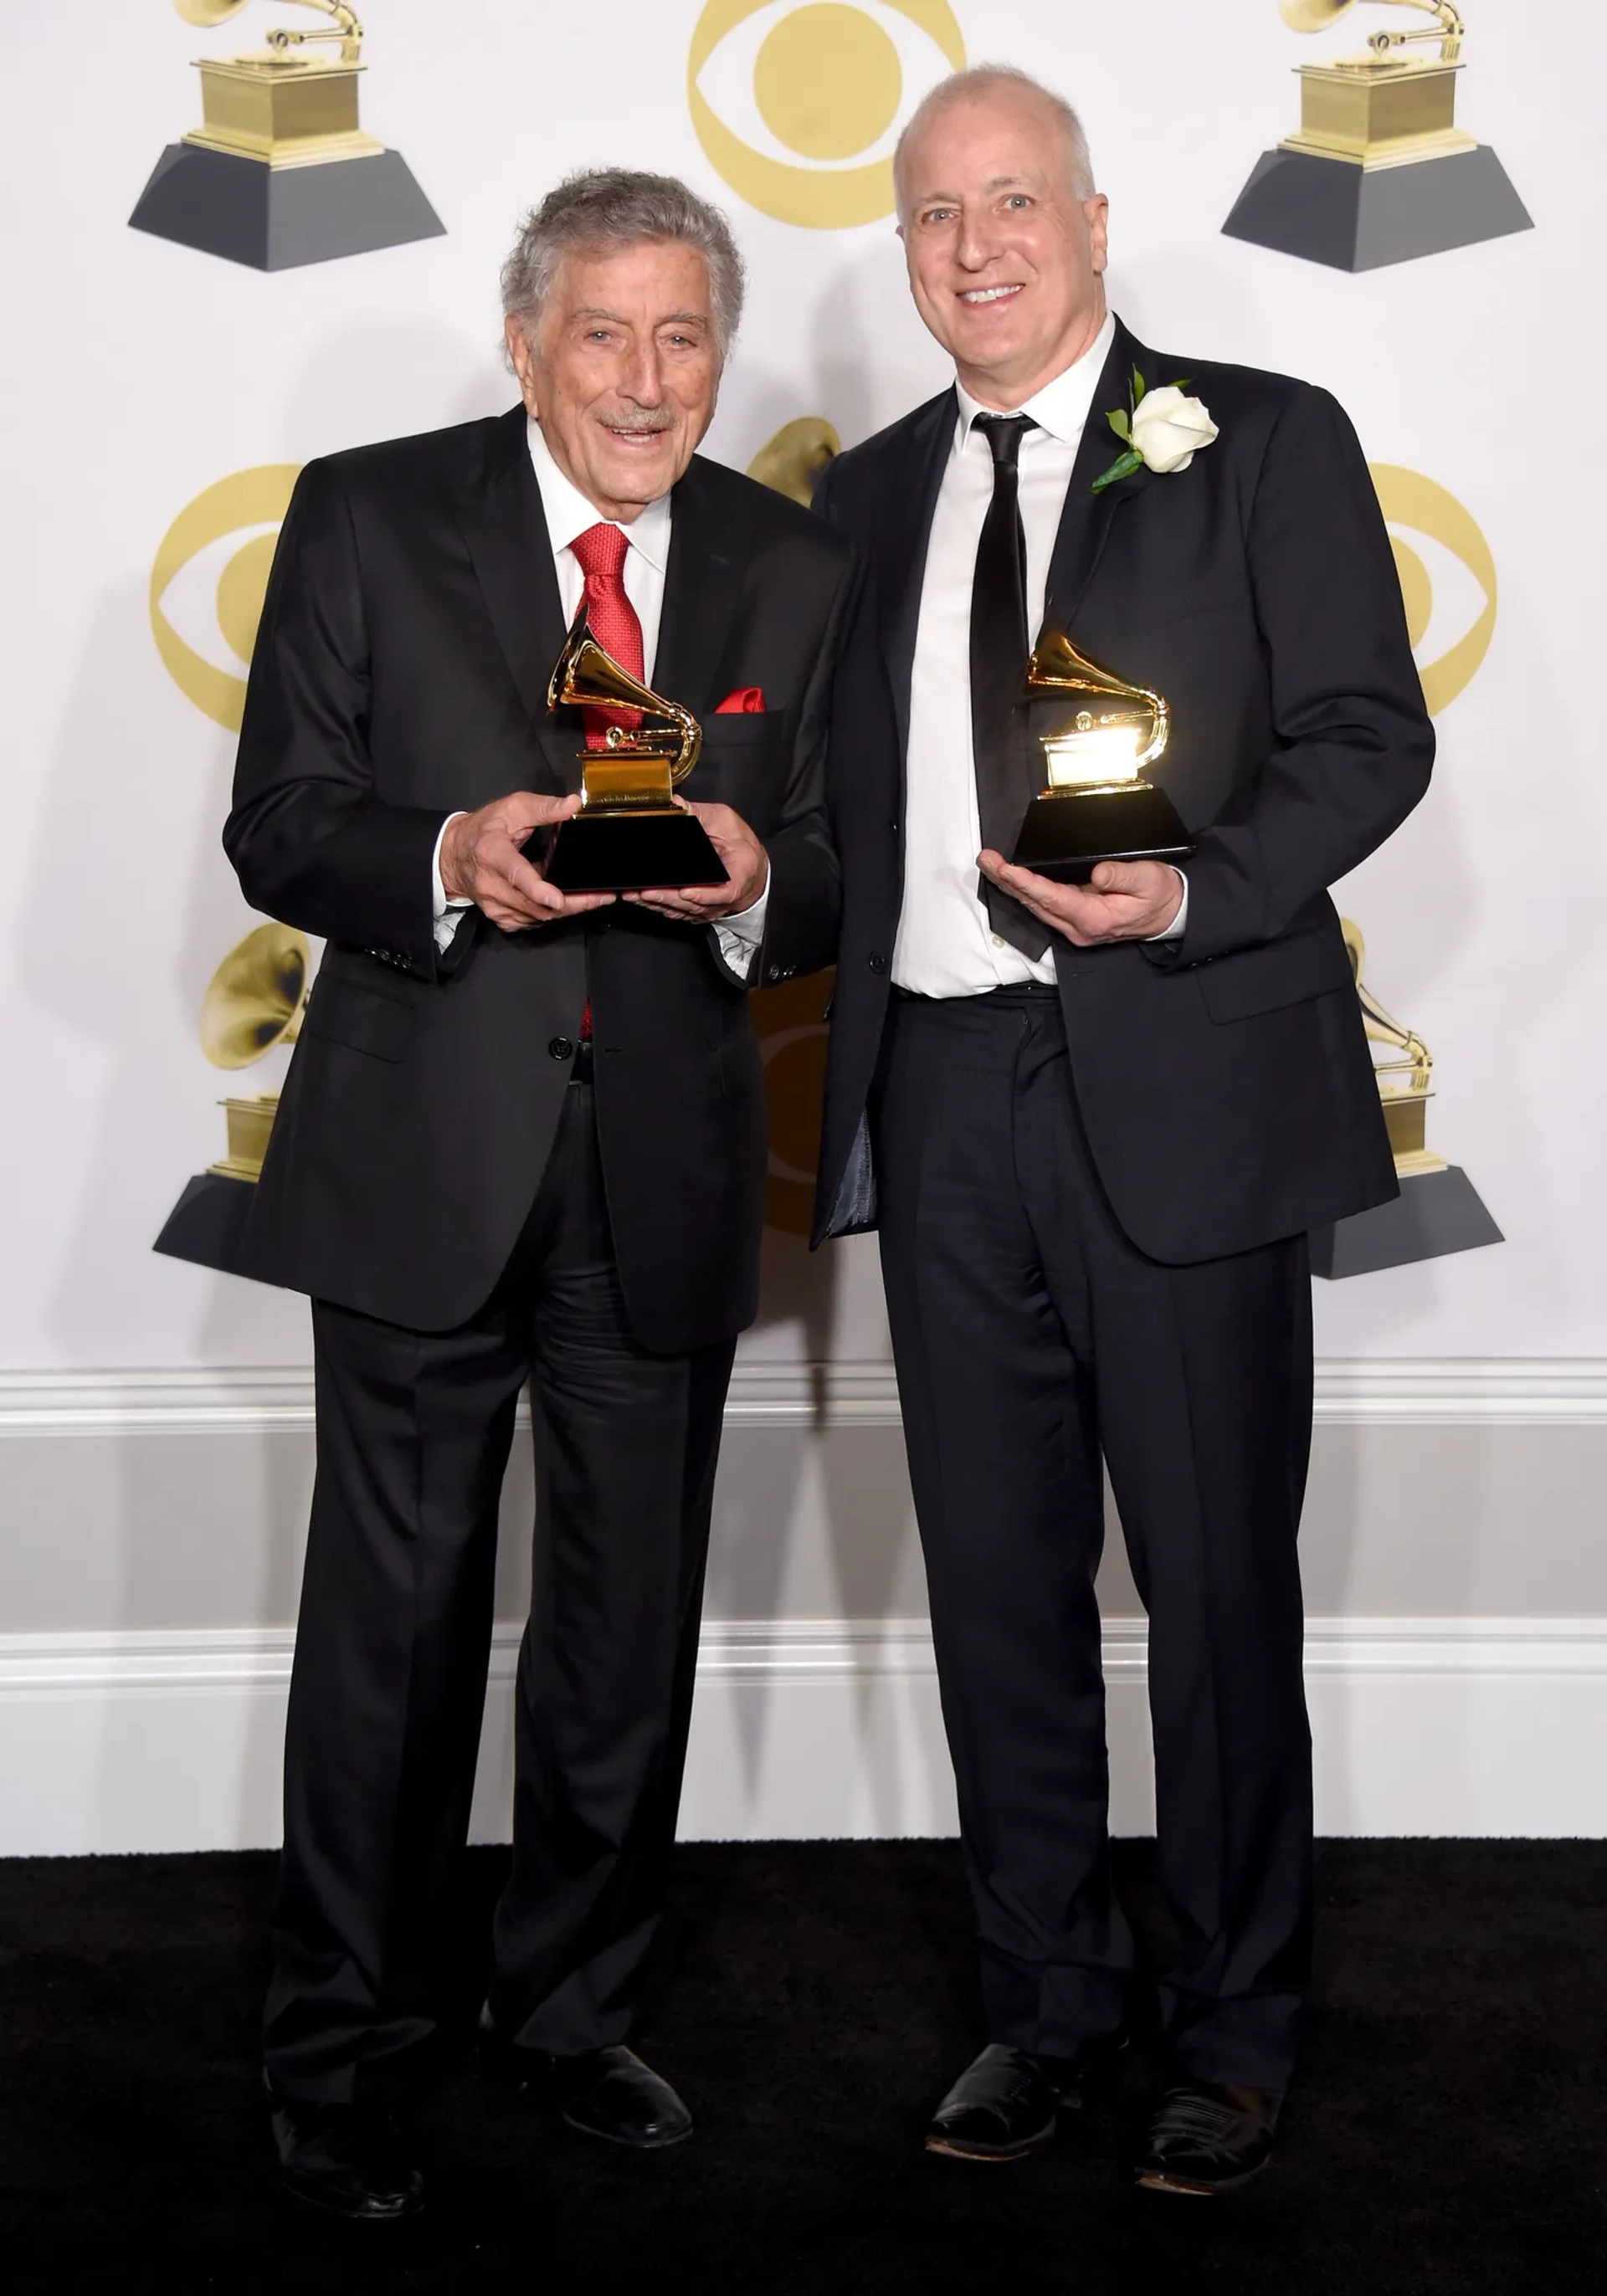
{"points": [[621, 207], [980, 80]]}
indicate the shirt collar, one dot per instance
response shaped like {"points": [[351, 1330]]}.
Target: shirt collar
{"points": [[1063, 406], [568, 512]]}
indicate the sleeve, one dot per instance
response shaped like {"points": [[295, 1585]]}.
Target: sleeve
{"points": [[1354, 742], [312, 843], [804, 895]]}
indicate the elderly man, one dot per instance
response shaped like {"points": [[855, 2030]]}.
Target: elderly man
{"points": [[523, 1139], [1094, 1121]]}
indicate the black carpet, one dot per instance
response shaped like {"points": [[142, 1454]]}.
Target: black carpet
{"points": [[1448, 2133]]}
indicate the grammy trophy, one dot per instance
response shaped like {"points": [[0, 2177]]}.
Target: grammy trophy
{"points": [[630, 833]]}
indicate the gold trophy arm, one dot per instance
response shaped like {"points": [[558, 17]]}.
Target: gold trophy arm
{"points": [[1382, 1028], [346, 29], [1449, 31]]}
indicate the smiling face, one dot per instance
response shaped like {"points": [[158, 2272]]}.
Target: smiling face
{"points": [[624, 371], [1005, 261]]}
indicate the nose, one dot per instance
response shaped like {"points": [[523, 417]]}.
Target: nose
{"points": [[978, 242], [643, 381]]}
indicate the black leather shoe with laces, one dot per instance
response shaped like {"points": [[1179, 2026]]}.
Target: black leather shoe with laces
{"points": [[1005, 2105], [352, 2159], [1206, 2139]]}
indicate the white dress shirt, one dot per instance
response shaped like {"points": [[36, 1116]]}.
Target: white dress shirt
{"points": [[569, 515], [946, 946]]}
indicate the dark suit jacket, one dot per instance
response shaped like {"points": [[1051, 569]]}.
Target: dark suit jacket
{"points": [[1225, 1081], [399, 675]]}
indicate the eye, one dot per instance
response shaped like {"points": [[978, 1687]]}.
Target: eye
{"points": [[799, 106], [208, 582], [1448, 576]]}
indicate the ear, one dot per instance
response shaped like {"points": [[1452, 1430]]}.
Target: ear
{"points": [[519, 351], [1096, 212]]}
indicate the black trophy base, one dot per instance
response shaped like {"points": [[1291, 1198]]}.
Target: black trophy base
{"points": [[1435, 1214], [207, 1224], [278, 218], [626, 852], [1065, 835], [1355, 219]]}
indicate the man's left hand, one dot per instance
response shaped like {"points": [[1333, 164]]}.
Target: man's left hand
{"points": [[748, 872], [1124, 900]]}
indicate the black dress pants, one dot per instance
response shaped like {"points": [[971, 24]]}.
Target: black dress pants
{"points": [[1032, 1340], [388, 1689]]}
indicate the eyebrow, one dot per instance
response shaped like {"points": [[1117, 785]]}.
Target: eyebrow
{"points": [[670, 319], [994, 183]]}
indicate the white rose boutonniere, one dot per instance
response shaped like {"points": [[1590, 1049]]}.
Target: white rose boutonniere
{"points": [[1162, 429]]}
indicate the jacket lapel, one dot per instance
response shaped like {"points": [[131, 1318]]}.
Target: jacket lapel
{"points": [[1086, 520], [503, 525], [909, 499], [703, 582]]}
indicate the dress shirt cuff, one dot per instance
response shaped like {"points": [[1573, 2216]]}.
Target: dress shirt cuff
{"points": [[446, 913], [1174, 931], [739, 935]]}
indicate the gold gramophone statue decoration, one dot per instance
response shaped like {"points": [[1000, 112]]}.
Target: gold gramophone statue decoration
{"points": [[1438, 1210], [253, 1002], [1098, 804], [1378, 171], [280, 172], [630, 833]]}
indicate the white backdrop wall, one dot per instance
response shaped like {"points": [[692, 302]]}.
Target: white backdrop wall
{"points": [[153, 1445]]}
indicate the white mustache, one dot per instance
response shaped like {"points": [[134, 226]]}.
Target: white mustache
{"points": [[639, 429]]}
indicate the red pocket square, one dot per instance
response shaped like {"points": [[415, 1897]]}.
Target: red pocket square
{"points": [[744, 701]]}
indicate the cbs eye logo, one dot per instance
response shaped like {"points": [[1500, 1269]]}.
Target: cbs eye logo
{"points": [[208, 583], [799, 106], [1447, 578]]}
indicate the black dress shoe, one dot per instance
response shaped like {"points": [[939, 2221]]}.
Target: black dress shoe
{"points": [[1206, 2139], [353, 2160], [610, 2093], [1005, 2106]]}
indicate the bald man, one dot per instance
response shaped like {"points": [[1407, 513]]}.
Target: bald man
{"points": [[1093, 1122]]}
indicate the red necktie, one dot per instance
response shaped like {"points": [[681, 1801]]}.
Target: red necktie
{"points": [[600, 555]]}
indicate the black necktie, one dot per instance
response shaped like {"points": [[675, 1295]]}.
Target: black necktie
{"points": [[999, 651]]}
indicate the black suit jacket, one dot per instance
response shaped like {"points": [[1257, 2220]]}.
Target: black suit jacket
{"points": [[1225, 1081], [401, 675]]}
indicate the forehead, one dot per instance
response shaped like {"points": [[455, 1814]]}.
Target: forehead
{"points": [[1008, 133], [645, 278]]}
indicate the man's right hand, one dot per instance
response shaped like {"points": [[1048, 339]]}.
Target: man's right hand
{"points": [[480, 862]]}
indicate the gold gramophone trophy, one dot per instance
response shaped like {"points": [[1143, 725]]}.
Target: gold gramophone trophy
{"points": [[630, 833], [254, 1001], [1378, 171], [1439, 1209], [280, 172], [1098, 804]]}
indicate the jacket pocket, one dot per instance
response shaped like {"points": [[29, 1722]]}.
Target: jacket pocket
{"points": [[365, 1019], [1282, 973]]}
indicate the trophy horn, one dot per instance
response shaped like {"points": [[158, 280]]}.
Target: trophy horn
{"points": [[792, 462], [257, 997], [207, 13], [586, 675], [1313, 15]]}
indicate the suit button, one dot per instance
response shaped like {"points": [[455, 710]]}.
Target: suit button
{"points": [[561, 1049], [892, 826], [878, 963]]}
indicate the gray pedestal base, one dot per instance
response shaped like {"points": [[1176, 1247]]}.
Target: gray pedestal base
{"points": [[277, 218], [1436, 1213], [208, 1223], [1328, 211]]}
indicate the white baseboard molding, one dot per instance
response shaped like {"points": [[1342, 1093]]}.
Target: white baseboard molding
{"points": [[1462, 1390], [124, 1742]]}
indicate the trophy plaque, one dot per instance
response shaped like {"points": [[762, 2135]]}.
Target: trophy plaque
{"points": [[1098, 805], [254, 1001], [1379, 172], [280, 173], [1438, 1210], [630, 833]]}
